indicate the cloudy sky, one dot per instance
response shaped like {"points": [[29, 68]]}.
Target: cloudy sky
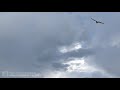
{"points": [[60, 44]]}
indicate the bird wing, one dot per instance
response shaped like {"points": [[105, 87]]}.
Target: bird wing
{"points": [[101, 22], [93, 19]]}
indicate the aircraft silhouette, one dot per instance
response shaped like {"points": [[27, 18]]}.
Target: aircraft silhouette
{"points": [[97, 21]]}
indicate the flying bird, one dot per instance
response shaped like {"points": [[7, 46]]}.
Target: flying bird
{"points": [[97, 21]]}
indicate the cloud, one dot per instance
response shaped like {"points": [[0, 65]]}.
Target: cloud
{"points": [[30, 41], [78, 68], [43, 41]]}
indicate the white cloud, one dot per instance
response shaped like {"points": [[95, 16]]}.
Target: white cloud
{"points": [[73, 47], [78, 68], [79, 65]]}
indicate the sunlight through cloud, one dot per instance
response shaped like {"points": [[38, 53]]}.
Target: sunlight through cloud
{"points": [[73, 47], [79, 65]]}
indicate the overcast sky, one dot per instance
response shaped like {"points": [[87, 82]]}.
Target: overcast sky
{"points": [[60, 44]]}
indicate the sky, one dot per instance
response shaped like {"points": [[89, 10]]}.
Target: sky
{"points": [[59, 44]]}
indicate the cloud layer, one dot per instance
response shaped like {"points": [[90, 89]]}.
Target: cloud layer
{"points": [[43, 41]]}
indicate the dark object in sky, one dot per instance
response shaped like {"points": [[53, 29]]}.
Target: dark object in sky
{"points": [[97, 21]]}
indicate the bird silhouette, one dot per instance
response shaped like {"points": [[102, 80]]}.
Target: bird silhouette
{"points": [[97, 21]]}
